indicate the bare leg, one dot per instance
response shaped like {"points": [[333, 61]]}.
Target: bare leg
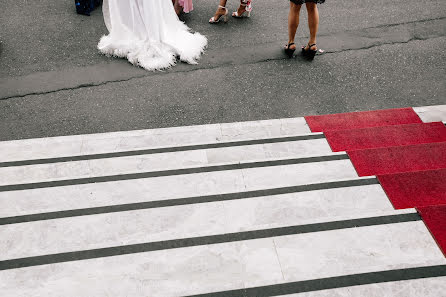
{"points": [[220, 11], [293, 23], [242, 8], [177, 7], [313, 22]]}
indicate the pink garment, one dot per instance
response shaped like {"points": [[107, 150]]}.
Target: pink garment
{"points": [[187, 5]]}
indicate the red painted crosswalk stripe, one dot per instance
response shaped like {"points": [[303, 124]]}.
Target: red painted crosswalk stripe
{"points": [[398, 159], [408, 156], [386, 136], [363, 119], [435, 219], [415, 189]]}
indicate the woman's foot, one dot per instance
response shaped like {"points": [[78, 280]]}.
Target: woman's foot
{"points": [[289, 49], [310, 50], [221, 12], [243, 9], [309, 46]]}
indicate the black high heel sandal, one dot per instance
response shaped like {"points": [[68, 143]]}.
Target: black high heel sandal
{"points": [[309, 53], [288, 51]]}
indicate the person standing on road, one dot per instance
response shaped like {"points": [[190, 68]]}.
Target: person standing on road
{"points": [[244, 10], [180, 6], [149, 34], [309, 50]]}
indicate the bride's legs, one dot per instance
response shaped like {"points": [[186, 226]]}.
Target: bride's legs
{"points": [[220, 11]]}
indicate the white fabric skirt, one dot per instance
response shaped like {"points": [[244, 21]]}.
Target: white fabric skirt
{"points": [[149, 34]]}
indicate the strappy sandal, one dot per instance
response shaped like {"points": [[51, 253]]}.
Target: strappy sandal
{"points": [[248, 9], [213, 20], [289, 51], [309, 53]]}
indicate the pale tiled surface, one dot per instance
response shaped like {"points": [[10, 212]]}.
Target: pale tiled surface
{"points": [[264, 129], [435, 113], [162, 161], [289, 175], [269, 151], [161, 273], [232, 265], [308, 207], [199, 269], [119, 192], [185, 221], [357, 250], [101, 167], [145, 139], [316, 147], [171, 187], [426, 287], [207, 268]]}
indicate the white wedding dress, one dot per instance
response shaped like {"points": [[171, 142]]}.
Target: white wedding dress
{"points": [[149, 34]]}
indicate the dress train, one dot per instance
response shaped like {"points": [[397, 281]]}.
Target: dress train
{"points": [[149, 34]]}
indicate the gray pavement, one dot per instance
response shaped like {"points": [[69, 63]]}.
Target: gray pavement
{"points": [[380, 54]]}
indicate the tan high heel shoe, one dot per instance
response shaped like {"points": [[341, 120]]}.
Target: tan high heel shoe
{"points": [[225, 16]]}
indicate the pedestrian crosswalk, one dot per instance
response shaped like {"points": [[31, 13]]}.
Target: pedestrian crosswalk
{"points": [[261, 208]]}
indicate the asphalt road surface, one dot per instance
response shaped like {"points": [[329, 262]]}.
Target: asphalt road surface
{"points": [[379, 54]]}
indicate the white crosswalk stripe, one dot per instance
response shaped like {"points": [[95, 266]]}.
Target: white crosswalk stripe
{"points": [[148, 139]]}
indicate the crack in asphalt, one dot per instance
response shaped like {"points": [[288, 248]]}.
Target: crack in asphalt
{"points": [[348, 50], [80, 86], [404, 23], [222, 65], [381, 44]]}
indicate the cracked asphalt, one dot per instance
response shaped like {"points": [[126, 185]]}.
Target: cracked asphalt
{"points": [[380, 54]]}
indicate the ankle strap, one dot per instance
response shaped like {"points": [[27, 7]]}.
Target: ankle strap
{"points": [[221, 7]]}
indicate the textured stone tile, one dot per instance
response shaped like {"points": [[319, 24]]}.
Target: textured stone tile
{"points": [[435, 113], [298, 174], [357, 250], [119, 192], [187, 221]]}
